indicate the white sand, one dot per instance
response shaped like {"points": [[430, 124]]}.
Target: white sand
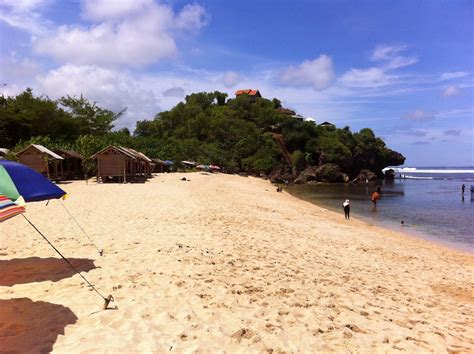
{"points": [[225, 263]]}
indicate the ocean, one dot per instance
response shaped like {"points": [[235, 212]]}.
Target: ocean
{"points": [[428, 200]]}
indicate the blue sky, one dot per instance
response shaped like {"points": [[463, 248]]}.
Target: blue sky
{"points": [[403, 68]]}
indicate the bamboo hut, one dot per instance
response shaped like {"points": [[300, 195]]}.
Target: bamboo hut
{"points": [[42, 160], [161, 166], [124, 164], [143, 163], [71, 166]]}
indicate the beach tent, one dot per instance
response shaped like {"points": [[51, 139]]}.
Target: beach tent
{"points": [[23, 184]]}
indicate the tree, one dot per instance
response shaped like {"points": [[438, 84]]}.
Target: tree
{"points": [[88, 117]]}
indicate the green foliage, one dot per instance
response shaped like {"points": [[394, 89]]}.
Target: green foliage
{"points": [[207, 127], [299, 160]]}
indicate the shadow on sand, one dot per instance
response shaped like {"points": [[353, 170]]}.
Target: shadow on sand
{"points": [[35, 269], [31, 327]]}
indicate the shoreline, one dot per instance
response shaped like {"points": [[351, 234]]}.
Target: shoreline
{"points": [[392, 226], [225, 262], [387, 223]]}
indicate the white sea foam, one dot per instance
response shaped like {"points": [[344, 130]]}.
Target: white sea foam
{"points": [[417, 177], [420, 170]]}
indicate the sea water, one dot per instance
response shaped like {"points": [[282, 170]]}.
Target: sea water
{"points": [[428, 200]]}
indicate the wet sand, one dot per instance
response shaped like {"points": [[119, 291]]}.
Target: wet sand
{"points": [[225, 263]]}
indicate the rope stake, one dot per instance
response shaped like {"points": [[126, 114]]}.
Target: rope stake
{"points": [[106, 300], [101, 251]]}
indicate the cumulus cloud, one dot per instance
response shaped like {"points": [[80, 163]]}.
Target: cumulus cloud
{"points": [[391, 57], [317, 73], [451, 91], [132, 33], [192, 17], [174, 92], [109, 88], [452, 75], [419, 115], [99, 10], [17, 70], [452, 132]]}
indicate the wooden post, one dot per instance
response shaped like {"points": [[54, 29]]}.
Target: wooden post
{"points": [[124, 171]]}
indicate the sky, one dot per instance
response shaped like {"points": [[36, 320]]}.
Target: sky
{"points": [[405, 69]]}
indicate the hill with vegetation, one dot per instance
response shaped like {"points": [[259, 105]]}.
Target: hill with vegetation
{"points": [[239, 134]]}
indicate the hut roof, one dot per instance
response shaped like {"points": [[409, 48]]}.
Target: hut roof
{"points": [[134, 154], [159, 161], [287, 111], [42, 149], [4, 151], [138, 154], [326, 124], [68, 153], [117, 148]]}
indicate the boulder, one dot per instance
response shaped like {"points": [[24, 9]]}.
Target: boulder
{"points": [[281, 175], [326, 173], [365, 175], [390, 174]]}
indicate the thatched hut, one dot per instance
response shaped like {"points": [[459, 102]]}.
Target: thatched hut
{"points": [[125, 164], [41, 160], [71, 166]]}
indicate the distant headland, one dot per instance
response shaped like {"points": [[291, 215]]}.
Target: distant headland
{"points": [[246, 134]]}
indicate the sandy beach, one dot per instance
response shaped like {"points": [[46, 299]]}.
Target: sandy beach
{"points": [[224, 263]]}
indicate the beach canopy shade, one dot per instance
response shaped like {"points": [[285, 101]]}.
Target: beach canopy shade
{"points": [[8, 209], [19, 180]]}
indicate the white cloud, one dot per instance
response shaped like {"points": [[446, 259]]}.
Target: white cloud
{"points": [[134, 34], [390, 56], [453, 75], [366, 78], [99, 10], [17, 70], [192, 17], [23, 14], [451, 91], [317, 73], [230, 79], [174, 92], [111, 89], [419, 115]]}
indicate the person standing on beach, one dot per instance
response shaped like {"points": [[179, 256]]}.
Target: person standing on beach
{"points": [[463, 187], [347, 209]]}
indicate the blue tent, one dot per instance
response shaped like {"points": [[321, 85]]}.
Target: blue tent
{"points": [[19, 180]]}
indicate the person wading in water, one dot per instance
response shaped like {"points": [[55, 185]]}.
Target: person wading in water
{"points": [[347, 209]]}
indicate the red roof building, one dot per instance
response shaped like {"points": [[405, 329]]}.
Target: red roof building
{"points": [[250, 92]]}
